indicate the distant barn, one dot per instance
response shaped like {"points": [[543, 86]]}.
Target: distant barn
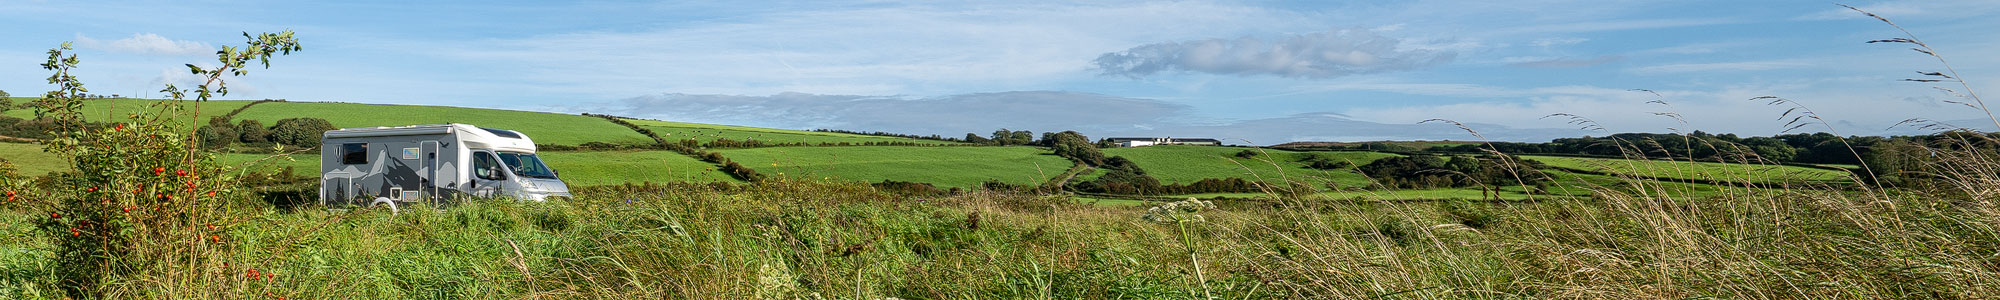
{"points": [[1149, 141]]}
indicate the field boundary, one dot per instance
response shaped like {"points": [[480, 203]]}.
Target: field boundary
{"points": [[232, 114]]}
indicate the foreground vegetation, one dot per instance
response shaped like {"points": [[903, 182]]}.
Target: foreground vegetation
{"points": [[790, 239]]}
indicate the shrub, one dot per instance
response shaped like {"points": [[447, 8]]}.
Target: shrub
{"points": [[216, 137], [252, 132], [300, 132]]}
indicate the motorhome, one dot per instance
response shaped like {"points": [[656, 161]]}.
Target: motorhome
{"points": [[432, 163]]}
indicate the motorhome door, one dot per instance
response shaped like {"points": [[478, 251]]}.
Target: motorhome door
{"points": [[488, 175], [429, 151]]}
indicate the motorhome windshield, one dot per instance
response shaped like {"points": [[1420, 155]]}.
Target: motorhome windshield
{"points": [[527, 165]]}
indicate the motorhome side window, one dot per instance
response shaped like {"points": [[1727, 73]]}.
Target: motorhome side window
{"points": [[486, 167], [354, 153]]}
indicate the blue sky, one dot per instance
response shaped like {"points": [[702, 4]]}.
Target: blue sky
{"points": [[1255, 72]]}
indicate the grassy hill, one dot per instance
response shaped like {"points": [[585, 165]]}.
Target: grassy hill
{"points": [[1730, 172], [29, 159], [1186, 164], [676, 131], [941, 166], [98, 110], [544, 128], [621, 167]]}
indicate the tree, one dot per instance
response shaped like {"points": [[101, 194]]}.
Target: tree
{"points": [[1075, 147], [300, 132], [976, 139], [6, 102], [216, 137], [252, 132]]}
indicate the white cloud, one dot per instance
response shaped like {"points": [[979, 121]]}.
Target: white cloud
{"points": [[146, 43], [1316, 55], [1721, 67]]}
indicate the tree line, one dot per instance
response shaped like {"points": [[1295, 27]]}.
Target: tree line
{"points": [[292, 132]]}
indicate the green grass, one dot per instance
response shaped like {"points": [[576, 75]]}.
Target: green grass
{"points": [[677, 131], [100, 110], [302, 164], [941, 166], [544, 128], [28, 159], [1729, 172], [1187, 164], [621, 167]]}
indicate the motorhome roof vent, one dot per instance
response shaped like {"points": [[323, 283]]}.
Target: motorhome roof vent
{"points": [[502, 132]]}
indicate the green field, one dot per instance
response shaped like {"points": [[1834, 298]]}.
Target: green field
{"points": [[941, 166], [1694, 170], [621, 167], [1425, 194], [544, 128], [99, 110], [1187, 164], [676, 131], [303, 164], [30, 160]]}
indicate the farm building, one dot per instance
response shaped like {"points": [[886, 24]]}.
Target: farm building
{"points": [[1149, 141]]}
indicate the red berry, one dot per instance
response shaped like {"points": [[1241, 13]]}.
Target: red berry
{"points": [[55, 216], [252, 273], [121, 126], [181, 172], [211, 226]]}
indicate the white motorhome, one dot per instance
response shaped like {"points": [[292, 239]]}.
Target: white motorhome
{"points": [[390, 165]]}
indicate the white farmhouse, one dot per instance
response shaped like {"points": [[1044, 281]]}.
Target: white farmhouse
{"points": [[1149, 141]]}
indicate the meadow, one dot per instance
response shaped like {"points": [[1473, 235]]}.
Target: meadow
{"points": [[1713, 171], [544, 128], [941, 166], [677, 131], [1186, 164], [118, 108]]}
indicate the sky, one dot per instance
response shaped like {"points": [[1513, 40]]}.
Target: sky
{"points": [[1247, 72]]}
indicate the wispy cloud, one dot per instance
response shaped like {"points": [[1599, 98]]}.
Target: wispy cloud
{"points": [[1317, 55], [1721, 67], [146, 43], [1617, 25], [1563, 62]]}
